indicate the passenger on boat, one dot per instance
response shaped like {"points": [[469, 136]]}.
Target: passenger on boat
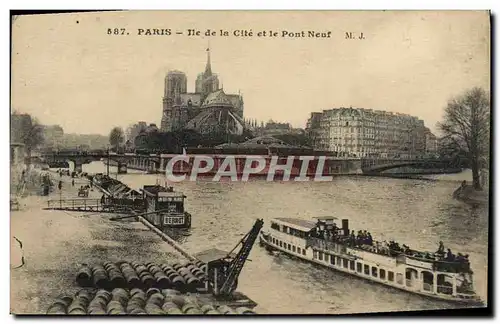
{"points": [[450, 257], [352, 239], [440, 252], [369, 239]]}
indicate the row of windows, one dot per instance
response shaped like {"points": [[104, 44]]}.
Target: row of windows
{"points": [[289, 247], [343, 263], [357, 267], [289, 230]]}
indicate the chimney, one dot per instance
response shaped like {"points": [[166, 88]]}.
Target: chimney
{"points": [[345, 226]]}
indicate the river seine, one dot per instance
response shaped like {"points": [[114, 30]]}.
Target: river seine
{"points": [[418, 213]]}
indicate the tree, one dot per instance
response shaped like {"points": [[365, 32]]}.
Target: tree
{"points": [[116, 137], [300, 140], [466, 126], [27, 130]]}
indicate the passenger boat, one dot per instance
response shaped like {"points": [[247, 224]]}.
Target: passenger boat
{"points": [[321, 242], [170, 206]]}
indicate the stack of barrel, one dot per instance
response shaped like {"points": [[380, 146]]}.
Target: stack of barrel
{"points": [[187, 277], [154, 301]]}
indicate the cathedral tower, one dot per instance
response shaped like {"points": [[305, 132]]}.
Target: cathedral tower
{"points": [[207, 82], [175, 83]]}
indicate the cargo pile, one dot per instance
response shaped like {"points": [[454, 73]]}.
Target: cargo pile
{"points": [[91, 301], [182, 277]]}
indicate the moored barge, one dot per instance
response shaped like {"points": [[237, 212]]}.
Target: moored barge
{"points": [[447, 278], [169, 207]]}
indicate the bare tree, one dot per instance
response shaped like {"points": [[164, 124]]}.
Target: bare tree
{"points": [[466, 126], [116, 137], [27, 130]]}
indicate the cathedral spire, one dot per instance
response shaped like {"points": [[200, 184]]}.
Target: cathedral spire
{"points": [[208, 67]]}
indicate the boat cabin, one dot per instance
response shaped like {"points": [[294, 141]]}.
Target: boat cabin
{"points": [[306, 228], [168, 203], [218, 264]]}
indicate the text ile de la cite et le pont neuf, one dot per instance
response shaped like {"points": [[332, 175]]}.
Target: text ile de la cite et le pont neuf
{"points": [[233, 33]]}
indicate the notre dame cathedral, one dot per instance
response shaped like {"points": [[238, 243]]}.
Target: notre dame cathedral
{"points": [[207, 110]]}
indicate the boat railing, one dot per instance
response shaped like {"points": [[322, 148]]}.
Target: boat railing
{"points": [[447, 290], [427, 287], [443, 265], [326, 245]]}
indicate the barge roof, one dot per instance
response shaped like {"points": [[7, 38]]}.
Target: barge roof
{"points": [[300, 224], [213, 255]]}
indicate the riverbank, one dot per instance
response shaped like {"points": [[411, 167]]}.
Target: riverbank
{"points": [[56, 243], [470, 195]]}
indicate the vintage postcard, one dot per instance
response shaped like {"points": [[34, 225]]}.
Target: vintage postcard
{"points": [[250, 162]]}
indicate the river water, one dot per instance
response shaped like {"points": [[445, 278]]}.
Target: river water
{"points": [[418, 213]]}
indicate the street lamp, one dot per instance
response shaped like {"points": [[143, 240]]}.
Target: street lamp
{"points": [[107, 168]]}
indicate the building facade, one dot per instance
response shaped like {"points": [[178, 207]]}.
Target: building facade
{"points": [[134, 130], [272, 128], [360, 132], [207, 109], [431, 142]]}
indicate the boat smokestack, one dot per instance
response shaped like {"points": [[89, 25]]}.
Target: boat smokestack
{"points": [[345, 226]]}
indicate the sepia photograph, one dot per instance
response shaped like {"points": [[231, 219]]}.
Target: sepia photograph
{"points": [[249, 163]]}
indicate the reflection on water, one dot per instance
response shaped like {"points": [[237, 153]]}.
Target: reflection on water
{"points": [[413, 212]]}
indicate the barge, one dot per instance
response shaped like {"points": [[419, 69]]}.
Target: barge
{"points": [[433, 275], [169, 207], [163, 207]]}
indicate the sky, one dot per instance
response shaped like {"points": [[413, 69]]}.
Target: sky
{"points": [[67, 70]]}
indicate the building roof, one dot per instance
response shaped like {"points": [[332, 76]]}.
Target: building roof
{"points": [[326, 218], [236, 100], [185, 97], [300, 224], [199, 119], [217, 98], [171, 194], [213, 255]]}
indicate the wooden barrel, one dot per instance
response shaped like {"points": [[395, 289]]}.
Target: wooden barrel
{"points": [[244, 311], [84, 276], [153, 309], [116, 279], [115, 308], [104, 295], [152, 291], [188, 307], [135, 305], [212, 312], [56, 309], [226, 310], [147, 279], [156, 298], [194, 311], [139, 293], [120, 295], [100, 277], [85, 294]]}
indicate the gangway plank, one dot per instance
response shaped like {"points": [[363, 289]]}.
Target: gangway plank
{"points": [[86, 205]]}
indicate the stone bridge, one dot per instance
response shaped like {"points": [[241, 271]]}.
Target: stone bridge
{"points": [[130, 160], [157, 162], [409, 166]]}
